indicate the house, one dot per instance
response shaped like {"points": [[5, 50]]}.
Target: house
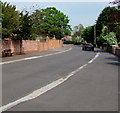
{"points": [[67, 38]]}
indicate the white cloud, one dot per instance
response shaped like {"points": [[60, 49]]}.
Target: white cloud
{"points": [[57, 0]]}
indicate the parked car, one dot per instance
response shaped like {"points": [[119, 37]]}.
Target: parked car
{"points": [[88, 46]]}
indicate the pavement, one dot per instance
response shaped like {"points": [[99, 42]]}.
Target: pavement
{"points": [[41, 53]]}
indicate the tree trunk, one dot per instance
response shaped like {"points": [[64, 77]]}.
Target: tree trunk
{"points": [[20, 47]]}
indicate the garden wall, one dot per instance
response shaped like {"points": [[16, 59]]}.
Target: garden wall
{"points": [[30, 45], [113, 49]]}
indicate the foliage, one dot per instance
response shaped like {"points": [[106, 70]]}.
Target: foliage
{"points": [[106, 38], [107, 26], [73, 42], [117, 31], [78, 38], [78, 30], [77, 43], [37, 20], [46, 22], [25, 26], [111, 38], [51, 21], [5, 33], [10, 19], [68, 42], [105, 30], [114, 24], [104, 18], [88, 34], [115, 17], [55, 32]]}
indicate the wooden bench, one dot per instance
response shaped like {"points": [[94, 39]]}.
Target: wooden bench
{"points": [[7, 52]]}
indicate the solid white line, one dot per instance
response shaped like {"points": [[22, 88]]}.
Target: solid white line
{"points": [[46, 88], [33, 95], [30, 58]]}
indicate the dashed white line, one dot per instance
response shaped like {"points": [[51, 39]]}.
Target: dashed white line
{"points": [[46, 88], [94, 58]]}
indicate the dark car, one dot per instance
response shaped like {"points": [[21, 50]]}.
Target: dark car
{"points": [[88, 46]]}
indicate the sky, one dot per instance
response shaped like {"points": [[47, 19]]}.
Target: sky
{"points": [[58, 0], [85, 13]]}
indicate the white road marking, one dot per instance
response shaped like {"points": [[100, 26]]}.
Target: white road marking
{"points": [[46, 88], [30, 58], [97, 55]]}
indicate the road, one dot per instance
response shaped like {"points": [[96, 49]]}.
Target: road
{"points": [[93, 85]]}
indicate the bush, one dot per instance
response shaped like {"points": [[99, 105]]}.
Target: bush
{"points": [[68, 42], [109, 39], [72, 42], [77, 43]]}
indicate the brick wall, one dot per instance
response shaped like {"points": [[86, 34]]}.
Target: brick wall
{"points": [[6, 44], [30, 45], [116, 50], [15, 46]]}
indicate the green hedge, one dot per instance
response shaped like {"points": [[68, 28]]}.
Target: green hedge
{"points": [[72, 42]]}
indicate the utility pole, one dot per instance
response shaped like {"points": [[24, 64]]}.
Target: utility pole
{"points": [[95, 34]]}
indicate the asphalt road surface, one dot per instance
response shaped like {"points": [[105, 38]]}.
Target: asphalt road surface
{"points": [[93, 85]]}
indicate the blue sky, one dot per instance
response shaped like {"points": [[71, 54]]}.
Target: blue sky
{"points": [[85, 13]]}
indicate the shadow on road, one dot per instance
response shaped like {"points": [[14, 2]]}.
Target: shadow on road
{"points": [[113, 58], [114, 63]]}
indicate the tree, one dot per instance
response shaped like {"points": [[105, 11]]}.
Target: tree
{"points": [[114, 24], [55, 31], [103, 19], [110, 17], [109, 39], [88, 34], [77, 32], [106, 38], [51, 21], [117, 31], [37, 20], [10, 20], [25, 31]]}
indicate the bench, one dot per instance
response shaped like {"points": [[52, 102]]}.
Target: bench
{"points": [[7, 52]]}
